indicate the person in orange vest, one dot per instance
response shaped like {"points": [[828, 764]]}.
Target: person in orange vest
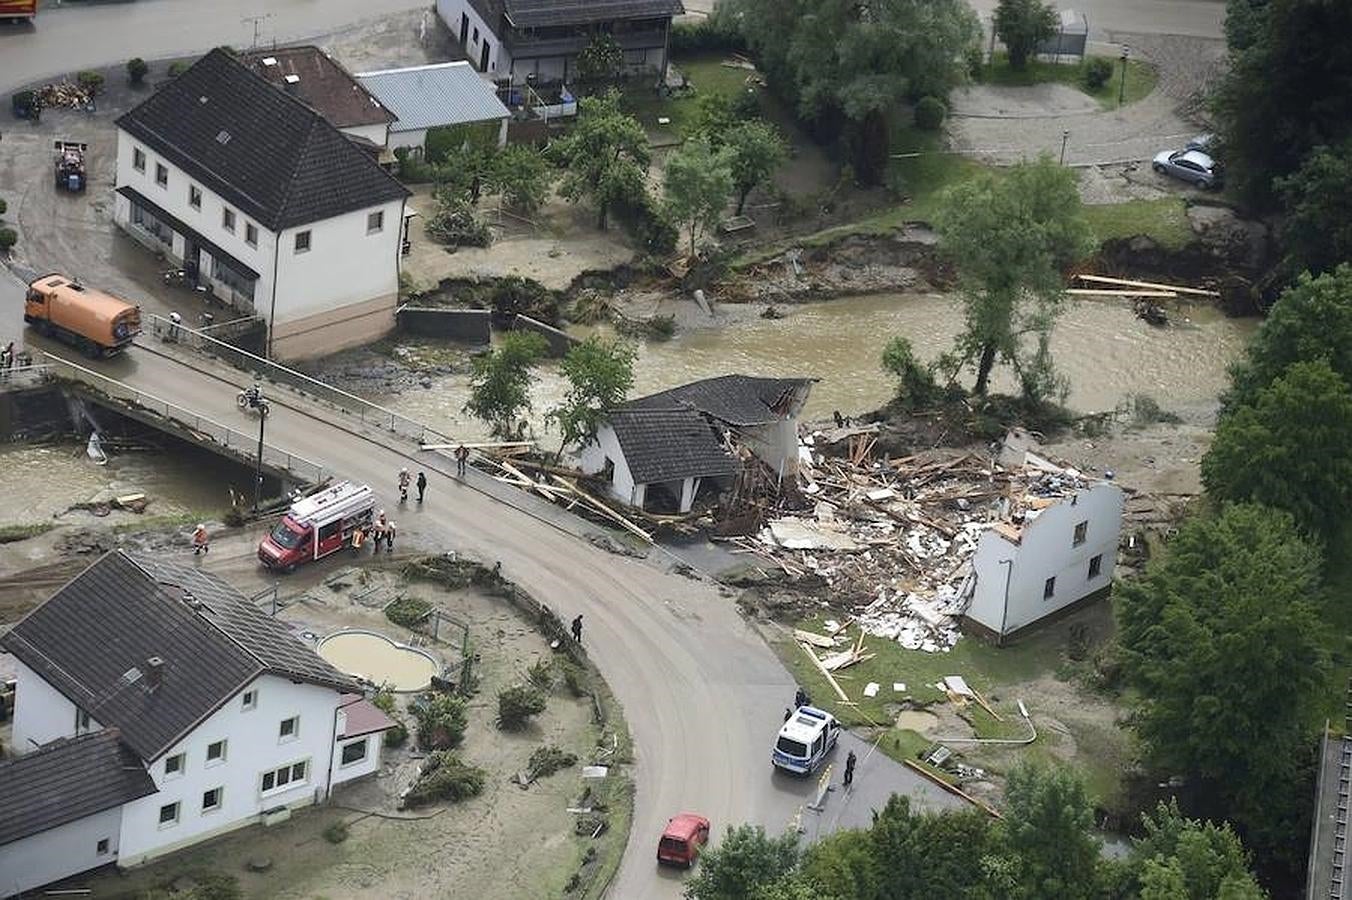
{"points": [[358, 538], [200, 542]]}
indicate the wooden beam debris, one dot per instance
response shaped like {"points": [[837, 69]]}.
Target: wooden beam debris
{"points": [[844, 697], [1093, 292], [816, 640], [1149, 285]]}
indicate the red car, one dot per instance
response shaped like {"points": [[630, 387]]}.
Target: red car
{"points": [[681, 841]]}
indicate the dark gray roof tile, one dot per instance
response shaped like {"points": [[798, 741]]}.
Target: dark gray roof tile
{"points": [[669, 444], [734, 399]]}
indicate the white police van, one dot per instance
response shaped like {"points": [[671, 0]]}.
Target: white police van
{"points": [[805, 739]]}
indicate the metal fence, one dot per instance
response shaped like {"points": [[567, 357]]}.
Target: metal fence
{"points": [[364, 411], [243, 445], [18, 377]]}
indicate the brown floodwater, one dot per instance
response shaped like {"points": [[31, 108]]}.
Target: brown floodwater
{"points": [[1107, 353]]}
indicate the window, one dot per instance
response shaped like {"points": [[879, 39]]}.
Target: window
{"points": [[81, 721], [228, 220], [1049, 588], [251, 234], [169, 815], [138, 159], [216, 753], [194, 196], [101, 848], [161, 175], [287, 776], [375, 222], [476, 35], [302, 241], [354, 752], [289, 729], [174, 765], [250, 700], [1096, 566], [211, 800], [1081, 532]]}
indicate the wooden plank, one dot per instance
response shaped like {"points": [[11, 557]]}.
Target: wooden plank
{"points": [[1105, 292], [1149, 285], [603, 509], [986, 706], [479, 446], [816, 640], [953, 788], [844, 697]]}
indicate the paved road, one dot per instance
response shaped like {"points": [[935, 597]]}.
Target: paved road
{"points": [[703, 694], [1195, 18]]}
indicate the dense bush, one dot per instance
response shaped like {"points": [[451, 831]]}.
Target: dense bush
{"points": [[714, 34], [176, 69], [90, 80], [930, 113], [441, 722], [516, 706], [455, 224], [336, 833], [547, 760], [8, 238], [515, 295], [407, 611], [413, 169], [1097, 71], [137, 69], [541, 675], [446, 777]]}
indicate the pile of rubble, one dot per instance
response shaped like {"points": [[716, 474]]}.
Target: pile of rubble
{"points": [[893, 539], [63, 94]]}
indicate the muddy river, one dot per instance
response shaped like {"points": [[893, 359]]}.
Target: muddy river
{"points": [[1107, 353]]}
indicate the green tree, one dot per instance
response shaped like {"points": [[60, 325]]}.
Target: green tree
{"points": [[521, 177], [1011, 236], [1021, 25], [600, 374], [1048, 818], [916, 385], [137, 69], [1311, 320], [1284, 92], [715, 118], [746, 860], [1317, 232], [1220, 638], [441, 722], [601, 60], [1184, 859], [518, 704], [919, 855], [696, 186], [605, 156], [755, 150], [500, 381], [841, 865], [1290, 449]]}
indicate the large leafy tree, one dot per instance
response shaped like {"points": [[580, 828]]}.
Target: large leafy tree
{"points": [[1011, 235], [1220, 638], [600, 374], [754, 151], [696, 185], [1021, 25], [744, 863], [1311, 320], [1287, 90], [601, 59], [1179, 858], [501, 380], [605, 156], [1048, 818], [522, 178], [920, 855], [1291, 448], [1317, 231]]}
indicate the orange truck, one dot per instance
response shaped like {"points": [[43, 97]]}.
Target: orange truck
{"points": [[99, 324], [18, 9]]}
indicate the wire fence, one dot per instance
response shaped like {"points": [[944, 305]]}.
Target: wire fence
{"points": [[205, 430], [364, 411]]}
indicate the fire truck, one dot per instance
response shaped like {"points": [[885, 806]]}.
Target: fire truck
{"points": [[318, 525], [17, 10]]}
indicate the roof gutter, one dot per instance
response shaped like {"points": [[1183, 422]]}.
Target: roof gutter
{"points": [[272, 310]]}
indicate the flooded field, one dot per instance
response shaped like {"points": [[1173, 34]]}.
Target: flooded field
{"points": [[1107, 353]]}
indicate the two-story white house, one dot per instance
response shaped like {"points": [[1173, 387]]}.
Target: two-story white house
{"points": [[156, 707], [267, 203]]}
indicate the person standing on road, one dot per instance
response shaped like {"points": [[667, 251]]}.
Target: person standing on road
{"points": [[849, 769], [461, 455], [801, 699], [577, 628], [390, 531], [382, 531], [403, 485], [422, 485], [788, 714], [7, 358], [201, 543]]}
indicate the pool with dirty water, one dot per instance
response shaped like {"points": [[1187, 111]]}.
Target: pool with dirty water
{"points": [[369, 655]]}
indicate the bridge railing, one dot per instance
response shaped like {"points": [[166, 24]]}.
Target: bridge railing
{"points": [[25, 376], [244, 445], [363, 410]]}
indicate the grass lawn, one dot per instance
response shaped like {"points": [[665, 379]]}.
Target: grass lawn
{"points": [[1165, 220], [1141, 78], [705, 73], [11, 533]]}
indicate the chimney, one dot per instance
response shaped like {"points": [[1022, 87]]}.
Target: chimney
{"points": [[154, 672], [292, 83]]}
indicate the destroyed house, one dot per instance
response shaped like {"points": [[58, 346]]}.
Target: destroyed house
{"points": [[155, 707], [661, 451]]}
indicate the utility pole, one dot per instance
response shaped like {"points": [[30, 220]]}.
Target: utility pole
{"points": [[1065, 136], [257, 21], [258, 470], [1122, 85]]}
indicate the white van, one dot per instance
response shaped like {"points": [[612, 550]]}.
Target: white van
{"points": [[805, 739]]}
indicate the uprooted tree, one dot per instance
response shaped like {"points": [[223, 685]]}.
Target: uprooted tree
{"points": [[1011, 237]]}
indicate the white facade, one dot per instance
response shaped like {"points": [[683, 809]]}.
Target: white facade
{"points": [[464, 23], [1063, 555], [377, 134], [59, 852], [42, 713], [605, 450], [338, 290]]}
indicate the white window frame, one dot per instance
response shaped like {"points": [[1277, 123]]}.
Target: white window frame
{"points": [[182, 765], [228, 219], [377, 217], [138, 159], [309, 242], [251, 229], [195, 197], [178, 814], [161, 167], [291, 784], [364, 743], [219, 790], [282, 737], [223, 743], [249, 701]]}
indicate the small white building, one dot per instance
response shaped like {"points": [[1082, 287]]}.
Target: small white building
{"points": [[263, 201], [656, 452], [1061, 553], [156, 708], [435, 96]]}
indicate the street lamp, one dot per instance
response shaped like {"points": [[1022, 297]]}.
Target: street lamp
{"points": [[1065, 136], [258, 469], [1122, 85]]}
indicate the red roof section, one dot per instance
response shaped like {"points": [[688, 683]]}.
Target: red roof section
{"points": [[363, 717]]}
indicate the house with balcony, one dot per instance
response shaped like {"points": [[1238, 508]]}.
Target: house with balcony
{"points": [[156, 707], [539, 40], [265, 203]]}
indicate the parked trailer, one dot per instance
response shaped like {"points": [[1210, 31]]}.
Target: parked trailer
{"points": [[18, 10], [96, 322]]}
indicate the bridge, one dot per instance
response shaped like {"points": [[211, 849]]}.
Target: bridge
{"points": [[703, 694]]}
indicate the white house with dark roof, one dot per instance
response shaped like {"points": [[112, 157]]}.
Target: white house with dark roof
{"points": [[657, 452], [316, 77], [155, 708], [265, 202]]}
